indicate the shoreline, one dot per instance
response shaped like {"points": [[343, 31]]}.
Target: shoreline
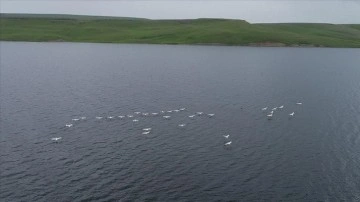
{"points": [[214, 32], [253, 45]]}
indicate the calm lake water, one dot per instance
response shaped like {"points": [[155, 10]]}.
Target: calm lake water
{"points": [[313, 156]]}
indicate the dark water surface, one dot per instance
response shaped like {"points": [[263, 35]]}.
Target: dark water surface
{"points": [[314, 156]]}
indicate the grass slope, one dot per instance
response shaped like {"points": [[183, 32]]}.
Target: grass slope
{"points": [[72, 28]]}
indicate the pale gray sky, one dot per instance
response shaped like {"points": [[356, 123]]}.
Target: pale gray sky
{"points": [[322, 11]]}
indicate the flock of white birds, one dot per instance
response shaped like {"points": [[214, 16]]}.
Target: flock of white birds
{"points": [[270, 115], [166, 115], [145, 131]]}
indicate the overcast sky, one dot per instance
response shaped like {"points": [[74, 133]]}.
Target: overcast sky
{"points": [[255, 11]]}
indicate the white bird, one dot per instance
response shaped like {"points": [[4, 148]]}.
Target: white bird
{"points": [[147, 129], [145, 133], [69, 125], [169, 111], [182, 125], [271, 112], [274, 108], [75, 119], [269, 116], [137, 112], [121, 117], [226, 136], [145, 114], [228, 143], [162, 112], [199, 113], [299, 103], [265, 108], [282, 106], [154, 114], [98, 117], [110, 117], [211, 115], [83, 117], [191, 116], [182, 109], [166, 117], [292, 114], [130, 116], [56, 138], [135, 120], [176, 110]]}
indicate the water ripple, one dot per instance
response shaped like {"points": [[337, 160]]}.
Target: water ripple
{"points": [[311, 157]]}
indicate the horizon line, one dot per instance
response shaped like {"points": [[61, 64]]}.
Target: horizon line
{"points": [[214, 18]]}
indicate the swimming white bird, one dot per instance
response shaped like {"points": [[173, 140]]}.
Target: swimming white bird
{"points": [[271, 112], [137, 112], [130, 116], [135, 120], [145, 133], [292, 114], [166, 117], [182, 125], [56, 138], [162, 112], [75, 119], [211, 115], [199, 113], [83, 117], [282, 106], [269, 116], [147, 129], [110, 117], [169, 111], [226, 136], [176, 110], [121, 117], [69, 125], [191, 116], [265, 108], [228, 143], [182, 109], [299, 103], [145, 114], [98, 117], [274, 108], [154, 114]]}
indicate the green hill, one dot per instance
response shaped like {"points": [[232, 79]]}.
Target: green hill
{"points": [[73, 28]]}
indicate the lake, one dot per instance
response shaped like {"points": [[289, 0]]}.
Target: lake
{"points": [[312, 156]]}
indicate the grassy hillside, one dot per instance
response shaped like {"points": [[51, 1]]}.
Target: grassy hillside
{"points": [[73, 28]]}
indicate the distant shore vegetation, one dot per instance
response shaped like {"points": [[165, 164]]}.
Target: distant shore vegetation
{"points": [[97, 29]]}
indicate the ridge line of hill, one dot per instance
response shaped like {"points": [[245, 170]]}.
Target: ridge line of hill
{"points": [[103, 29]]}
